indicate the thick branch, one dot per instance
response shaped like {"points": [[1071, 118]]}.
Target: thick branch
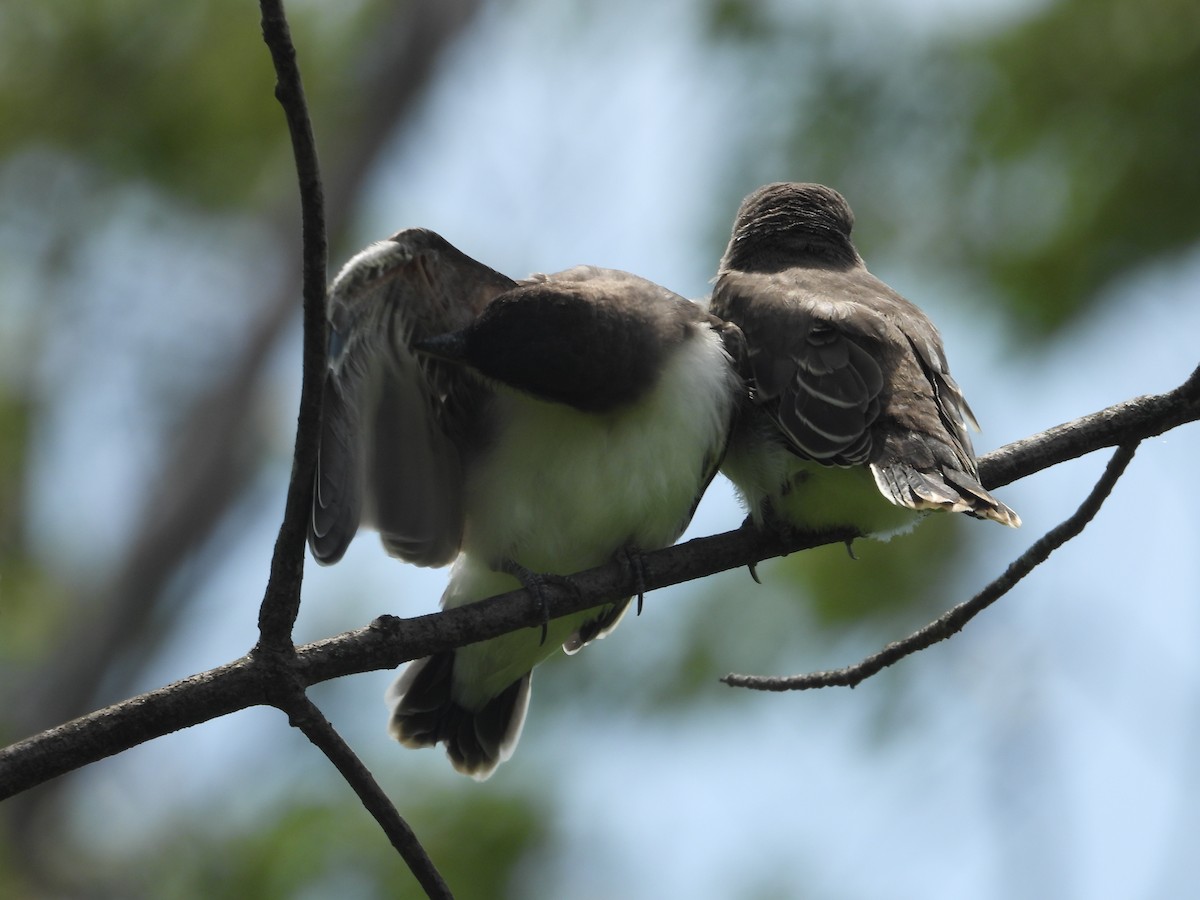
{"points": [[390, 641], [106, 732]]}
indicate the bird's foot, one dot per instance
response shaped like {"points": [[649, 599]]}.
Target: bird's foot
{"points": [[748, 524], [634, 563], [536, 583]]}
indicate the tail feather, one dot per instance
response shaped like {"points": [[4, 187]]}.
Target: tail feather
{"points": [[425, 713], [946, 490]]}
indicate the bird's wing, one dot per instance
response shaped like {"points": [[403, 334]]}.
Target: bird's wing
{"points": [[813, 362], [394, 422], [924, 458]]}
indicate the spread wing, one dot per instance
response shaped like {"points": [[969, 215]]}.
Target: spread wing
{"points": [[394, 423]]}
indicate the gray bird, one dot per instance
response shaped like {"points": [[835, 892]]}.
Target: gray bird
{"points": [[517, 429], [852, 417]]}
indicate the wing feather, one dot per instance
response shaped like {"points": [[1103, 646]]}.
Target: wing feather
{"points": [[394, 422]]}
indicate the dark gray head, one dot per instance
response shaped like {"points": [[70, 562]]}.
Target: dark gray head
{"points": [[787, 224]]}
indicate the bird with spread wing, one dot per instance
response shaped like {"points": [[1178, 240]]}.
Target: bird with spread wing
{"points": [[519, 429]]}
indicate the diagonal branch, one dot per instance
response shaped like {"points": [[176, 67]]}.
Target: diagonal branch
{"points": [[1134, 420], [389, 641], [953, 621], [304, 714]]}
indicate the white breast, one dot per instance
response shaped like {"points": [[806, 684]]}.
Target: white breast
{"points": [[563, 490]]}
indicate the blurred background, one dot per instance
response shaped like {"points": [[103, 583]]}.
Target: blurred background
{"points": [[1025, 170]]}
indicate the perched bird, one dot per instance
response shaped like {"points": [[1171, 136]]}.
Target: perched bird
{"points": [[852, 417], [520, 429]]}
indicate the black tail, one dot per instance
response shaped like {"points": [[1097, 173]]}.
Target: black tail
{"points": [[425, 713]]}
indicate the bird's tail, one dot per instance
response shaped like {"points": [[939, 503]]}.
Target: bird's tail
{"points": [[947, 489], [425, 713]]}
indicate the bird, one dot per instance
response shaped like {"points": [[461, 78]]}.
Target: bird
{"points": [[852, 419], [520, 430]]}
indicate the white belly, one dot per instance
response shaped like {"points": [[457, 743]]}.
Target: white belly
{"points": [[561, 491]]}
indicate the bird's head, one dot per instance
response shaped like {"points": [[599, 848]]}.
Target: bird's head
{"points": [[789, 223]]}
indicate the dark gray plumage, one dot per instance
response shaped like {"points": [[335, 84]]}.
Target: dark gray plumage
{"points": [[851, 400], [537, 426]]}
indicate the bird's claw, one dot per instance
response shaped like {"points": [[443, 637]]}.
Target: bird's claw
{"points": [[631, 558], [535, 583]]}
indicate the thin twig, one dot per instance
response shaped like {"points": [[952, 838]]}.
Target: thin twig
{"points": [[304, 714], [281, 601], [953, 621]]}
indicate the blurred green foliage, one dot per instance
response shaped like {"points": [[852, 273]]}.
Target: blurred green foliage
{"points": [[887, 583], [31, 602], [172, 95], [1103, 95], [310, 849], [138, 90]]}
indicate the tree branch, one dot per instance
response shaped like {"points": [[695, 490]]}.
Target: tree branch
{"points": [[106, 732], [195, 487], [953, 621], [390, 641], [304, 714], [281, 601], [1134, 420], [275, 651]]}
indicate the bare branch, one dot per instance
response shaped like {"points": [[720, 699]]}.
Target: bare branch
{"points": [[953, 621], [1134, 420], [304, 714], [197, 485], [276, 651], [390, 641], [281, 602], [109, 731]]}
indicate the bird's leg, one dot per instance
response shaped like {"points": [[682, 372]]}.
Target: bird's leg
{"points": [[750, 525], [773, 525], [777, 526], [535, 583], [632, 560]]}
